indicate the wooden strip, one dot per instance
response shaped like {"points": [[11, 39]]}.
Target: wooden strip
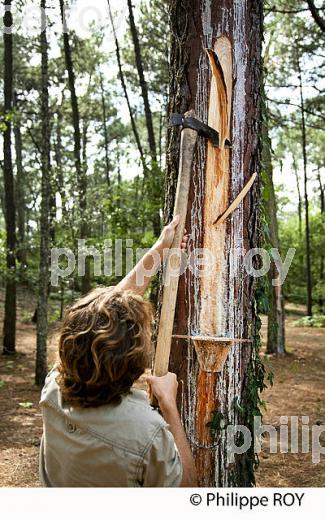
{"points": [[188, 141], [237, 200], [212, 338]]}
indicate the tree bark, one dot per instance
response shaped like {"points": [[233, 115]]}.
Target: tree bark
{"points": [[106, 142], [314, 12], [20, 187], [153, 192], [9, 325], [322, 211], [307, 230], [295, 169], [81, 176], [276, 314], [125, 92], [45, 225], [220, 303], [143, 85]]}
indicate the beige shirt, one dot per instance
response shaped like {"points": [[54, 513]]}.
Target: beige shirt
{"points": [[124, 445]]}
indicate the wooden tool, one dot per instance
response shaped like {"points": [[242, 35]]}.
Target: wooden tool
{"points": [[187, 146], [237, 200]]}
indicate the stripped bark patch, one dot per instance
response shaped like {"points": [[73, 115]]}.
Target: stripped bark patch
{"points": [[213, 282]]}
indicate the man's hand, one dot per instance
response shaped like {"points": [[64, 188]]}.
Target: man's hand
{"points": [[164, 389], [167, 235], [149, 264]]}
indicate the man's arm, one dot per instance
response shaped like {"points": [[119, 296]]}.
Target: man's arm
{"points": [[138, 279], [165, 389]]}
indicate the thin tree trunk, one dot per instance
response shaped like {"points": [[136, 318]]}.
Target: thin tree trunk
{"points": [[143, 85], [153, 190], [295, 169], [81, 177], [87, 276], [307, 231], [58, 161], [221, 301], [43, 283], [315, 14], [125, 92], [322, 211], [107, 164], [321, 192], [276, 314], [9, 325], [20, 188]]}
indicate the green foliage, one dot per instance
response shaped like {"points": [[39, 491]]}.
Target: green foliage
{"points": [[318, 320], [26, 405], [218, 422]]}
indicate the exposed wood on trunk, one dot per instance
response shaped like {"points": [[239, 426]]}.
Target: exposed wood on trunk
{"points": [[224, 27], [9, 324], [43, 282], [307, 230], [216, 201]]}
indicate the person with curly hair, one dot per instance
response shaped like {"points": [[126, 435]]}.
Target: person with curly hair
{"points": [[99, 430]]}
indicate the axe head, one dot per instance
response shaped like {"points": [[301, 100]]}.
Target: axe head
{"points": [[201, 128]]}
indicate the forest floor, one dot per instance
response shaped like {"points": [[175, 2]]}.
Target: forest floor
{"points": [[298, 390]]}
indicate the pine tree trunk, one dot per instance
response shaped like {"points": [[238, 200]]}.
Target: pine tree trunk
{"points": [[322, 211], [276, 315], [81, 176], [9, 325], [107, 164], [125, 92], [153, 189], [307, 230], [221, 303], [20, 188], [295, 169], [143, 85], [43, 283]]}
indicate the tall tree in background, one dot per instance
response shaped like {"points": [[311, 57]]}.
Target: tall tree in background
{"points": [[276, 314], [81, 174], [143, 85], [9, 326], [43, 282], [226, 303], [125, 91], [307, 228], [153, 181], [20, 186]]}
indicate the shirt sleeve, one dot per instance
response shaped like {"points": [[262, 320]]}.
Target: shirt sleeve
{"points": [[162, 463]]}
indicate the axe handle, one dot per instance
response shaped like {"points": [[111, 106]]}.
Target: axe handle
{"points": [[171, 274]]}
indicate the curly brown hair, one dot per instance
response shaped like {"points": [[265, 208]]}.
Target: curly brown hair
{"points": [[104, 346]]}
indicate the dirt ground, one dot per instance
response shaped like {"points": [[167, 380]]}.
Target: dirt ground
{"points": [[298, 390]]}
